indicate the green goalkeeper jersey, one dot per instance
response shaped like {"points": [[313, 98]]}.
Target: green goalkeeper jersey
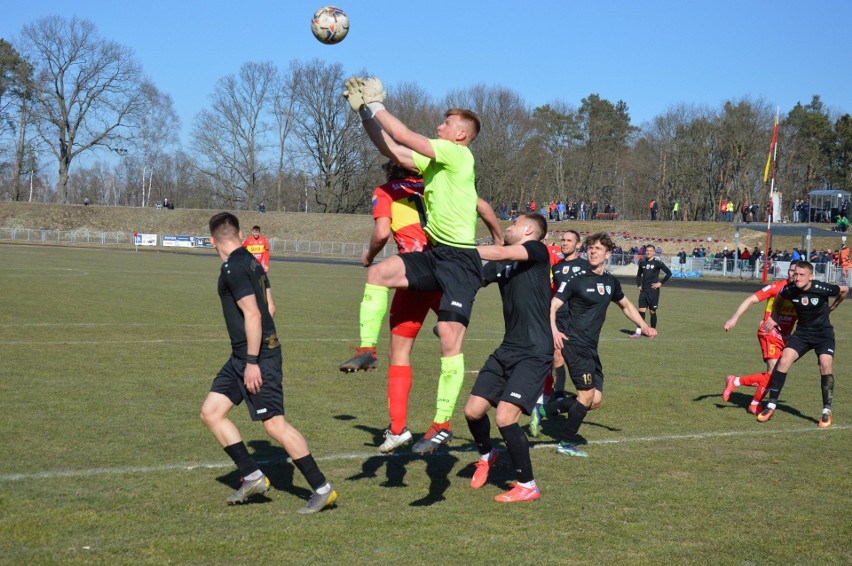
{"points": [[450, 194]]}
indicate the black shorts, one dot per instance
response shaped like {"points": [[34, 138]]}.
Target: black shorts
{"points": [[584, 367], [513, 376], [269, 401], [649, 298], [456, 272], [819, 343]]}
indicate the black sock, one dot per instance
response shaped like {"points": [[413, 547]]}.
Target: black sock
{"points": [[562, 405], [480, 429], [311, 471], [643, 314], [559, 378], [575, 418], [827, 389], [239, 454], [776, 384], [653, 320], [519, 451]]}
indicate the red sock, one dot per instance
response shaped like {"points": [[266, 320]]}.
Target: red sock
{"points": [[754, 379], [548, 384], [399, 386]]}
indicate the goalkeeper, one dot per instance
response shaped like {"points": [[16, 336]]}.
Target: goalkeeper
{"points": [[453, 265]]}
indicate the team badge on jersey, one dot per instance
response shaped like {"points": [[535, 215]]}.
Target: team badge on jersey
{"points": [[601, 288], [805, 301]]}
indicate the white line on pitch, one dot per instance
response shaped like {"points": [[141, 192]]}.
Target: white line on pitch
{"points": [[86, 472]]}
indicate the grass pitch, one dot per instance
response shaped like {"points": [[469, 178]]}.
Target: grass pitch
{"points": [[106, 356]]}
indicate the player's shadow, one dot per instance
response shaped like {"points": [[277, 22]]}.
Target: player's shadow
{"points": [[554, 426], [272, 460], [438, 467]]}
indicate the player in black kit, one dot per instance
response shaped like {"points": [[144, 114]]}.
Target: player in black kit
{"points": [[648, 281], [513, 376], [813, 332], [571, 265], [588, 296], [253, 373]]}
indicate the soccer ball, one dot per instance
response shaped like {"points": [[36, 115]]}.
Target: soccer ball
{"points": [[330, 25]]}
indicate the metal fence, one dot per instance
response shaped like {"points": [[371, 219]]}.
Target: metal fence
{"points": [[694, 266], [278, 247]]}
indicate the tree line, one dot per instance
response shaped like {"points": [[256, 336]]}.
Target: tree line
{"points": [[285, 138]]}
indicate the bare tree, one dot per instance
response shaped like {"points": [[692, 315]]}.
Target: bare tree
{"points": [[87, 89], [232, 136], [332, 147], [156, 130]]}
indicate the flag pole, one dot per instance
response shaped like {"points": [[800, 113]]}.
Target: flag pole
{"points": [[771, 160]]}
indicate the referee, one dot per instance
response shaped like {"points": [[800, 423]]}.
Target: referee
{"points": [[648, 281]]}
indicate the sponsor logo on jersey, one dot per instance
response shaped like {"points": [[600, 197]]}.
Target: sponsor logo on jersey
{"points": [[456, 304], [515, 395]]}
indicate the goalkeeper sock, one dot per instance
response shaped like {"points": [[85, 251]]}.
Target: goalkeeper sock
{"points": [[399, 386], [374, 306], [449, 387]]}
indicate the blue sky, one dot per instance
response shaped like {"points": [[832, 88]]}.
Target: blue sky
{"points": [[651, 54]]}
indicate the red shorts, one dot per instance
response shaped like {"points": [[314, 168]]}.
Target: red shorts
{"points": [[771, 344], [409, 309]]}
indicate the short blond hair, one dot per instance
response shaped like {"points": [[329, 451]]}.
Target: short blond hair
{"points": [[468, 115]]}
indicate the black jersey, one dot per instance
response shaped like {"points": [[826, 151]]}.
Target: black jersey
{"points": [[568, 268], [525, 289], [811, 305], [649, 272], [565, 270], [588, 297], [242, 275]]}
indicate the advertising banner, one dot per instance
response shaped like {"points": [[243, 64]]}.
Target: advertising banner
{"points": [[172, 241], [144, 239]]}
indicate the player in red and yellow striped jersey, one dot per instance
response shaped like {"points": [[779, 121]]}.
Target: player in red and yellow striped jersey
{"points": [[771, 343], [258, 246]]}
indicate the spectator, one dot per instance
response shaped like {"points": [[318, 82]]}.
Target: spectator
{"points": [[594, 209], [86, 201], [261, 208]]}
